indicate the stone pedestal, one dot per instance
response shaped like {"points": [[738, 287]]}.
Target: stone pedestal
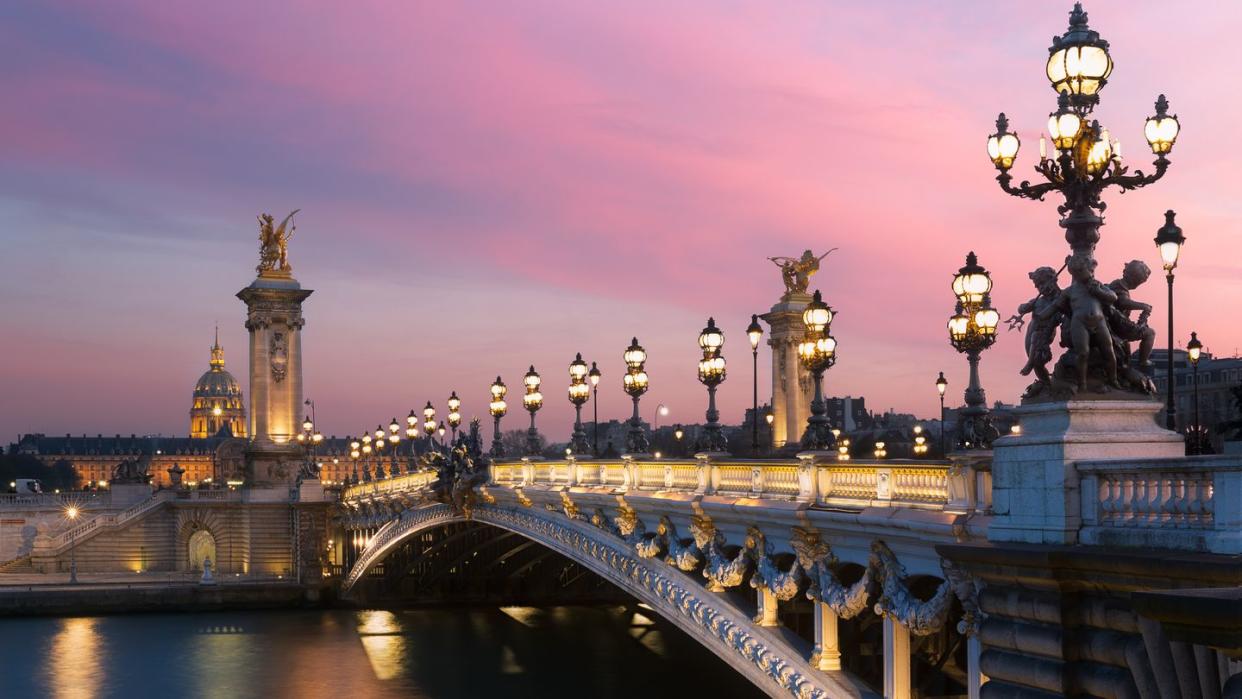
{"points": [[1035, 493], [274, 319], [791, 384], [126, 494]]}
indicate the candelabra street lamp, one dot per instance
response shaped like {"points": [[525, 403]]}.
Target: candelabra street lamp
{"points": [[532, 401], [817, 352], [595, 375], [754, 332], [712, 374], [942, 384], [429, 425], [972, 329], [411, 434], [354, 452], [366, 457], [498, 408], [309, 438], [454, 415], [635, 383], [1169, 241], [579, 392], [1087, 161], [678, 433], [394, 438], [1194, 349], [380, 442], [920, 441]]}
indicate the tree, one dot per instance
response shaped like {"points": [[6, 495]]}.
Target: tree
{"points": [[514, 443]]}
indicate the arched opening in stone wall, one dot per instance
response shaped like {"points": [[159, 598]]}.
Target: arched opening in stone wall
{"points": [[201, 547]]}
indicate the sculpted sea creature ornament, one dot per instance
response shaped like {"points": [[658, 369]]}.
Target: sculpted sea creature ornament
{"points": [[816, 558], [896, 600], [682, 553], [783, 585], [720, 570]]}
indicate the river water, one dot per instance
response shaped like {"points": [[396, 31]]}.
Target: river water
{"points": [[452, 653]]}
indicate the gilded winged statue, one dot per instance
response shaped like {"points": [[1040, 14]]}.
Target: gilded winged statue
{"points": [[274, 243], [796, 271]]}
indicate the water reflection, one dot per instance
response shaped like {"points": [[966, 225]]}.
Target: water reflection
{"points": [[75, 659], [434, 654]]}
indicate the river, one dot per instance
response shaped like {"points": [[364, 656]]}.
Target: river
{"points": [[446, 653]]}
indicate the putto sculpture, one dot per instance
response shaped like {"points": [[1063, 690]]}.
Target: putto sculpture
{"points": [[796, 272], [274, 244], [1094, 318]]}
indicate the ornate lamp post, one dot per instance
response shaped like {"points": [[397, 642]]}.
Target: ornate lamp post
{"points": [[354, 453], [309, 438], [394, 438], [498, 408], [1194, 349], [678, 433], [817, 352], [711, 375], [532, 401], [942, 384], [1169, 240], [411, 433], [595, 376], [366, 457], [1087, 161], [579, 392], [972, 329], [754, 332], [380, 443], [920, 441], [635, 383], [454, 416]]}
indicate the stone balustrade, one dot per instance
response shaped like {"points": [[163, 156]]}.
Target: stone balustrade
{"points": [[407, 482], [1192, 503], [41, 501], [812, 478]]}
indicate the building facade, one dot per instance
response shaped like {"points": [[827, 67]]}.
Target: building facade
{"points": [[1218, 406]]}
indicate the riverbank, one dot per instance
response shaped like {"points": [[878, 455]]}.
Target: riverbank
{"points": [[112, 595]]}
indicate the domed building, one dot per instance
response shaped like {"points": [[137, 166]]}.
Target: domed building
{"points": [[217, 400]]}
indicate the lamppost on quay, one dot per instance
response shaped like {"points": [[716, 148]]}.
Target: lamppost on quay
{"points": [[635, 383], [309, 438], [72, 513], [595, 376], [754, 332], [711, 374], [1194, 349], [972, 329], [1169, 241], [1086, 162], [579, 392], [817, 352], [498, 408], [532, 401], [454, 415], [942, 384]]}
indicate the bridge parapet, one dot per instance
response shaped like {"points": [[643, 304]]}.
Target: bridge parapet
{"points": [[1189, 504], [822, 480]]}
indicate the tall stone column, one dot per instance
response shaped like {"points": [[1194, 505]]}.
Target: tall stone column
{"points": [[896, 659], [274, 319], [827, 644], [791, 384]]}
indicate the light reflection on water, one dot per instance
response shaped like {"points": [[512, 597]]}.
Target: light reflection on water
{"points": [[433, 654]]}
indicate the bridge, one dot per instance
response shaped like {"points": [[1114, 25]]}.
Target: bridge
{"points": [[726, 549]]}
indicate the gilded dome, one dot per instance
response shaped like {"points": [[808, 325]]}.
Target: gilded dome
{"points": [[217, 402]]}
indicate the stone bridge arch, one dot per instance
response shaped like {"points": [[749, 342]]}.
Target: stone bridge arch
{"points": [[757, 653]]}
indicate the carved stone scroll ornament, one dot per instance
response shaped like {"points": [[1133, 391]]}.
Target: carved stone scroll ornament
{"points": [[571, 509], [966, 589], [896, 600], [783, 585], [629, 527], [653, 543], [720, 570], [816, 558]]}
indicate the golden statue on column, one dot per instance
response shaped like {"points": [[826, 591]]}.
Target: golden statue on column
{"points": [[273, 246]]}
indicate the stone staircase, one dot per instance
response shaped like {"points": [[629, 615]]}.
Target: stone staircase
{"points": [[21, 564]]}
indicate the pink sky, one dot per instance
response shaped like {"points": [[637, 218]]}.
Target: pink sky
{"points": [[489, 185]]}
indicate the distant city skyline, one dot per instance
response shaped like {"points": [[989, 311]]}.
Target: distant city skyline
{"points": [[485, 187]]}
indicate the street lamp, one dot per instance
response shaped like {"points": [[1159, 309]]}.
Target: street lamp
{"points": [[1086, 162], [754, 332], [1194, 349], [454, 416], [711, 374], [920, 441], [972, 329], [394, 436], [941, 385], [579, 392], [366, 457], [380, 443], [497, 408], [429, 424], [595, 376], [309, 438], [72, 513], [1169, 240], [635, 383], [818, 352], [532, 401], [355, 451]]}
